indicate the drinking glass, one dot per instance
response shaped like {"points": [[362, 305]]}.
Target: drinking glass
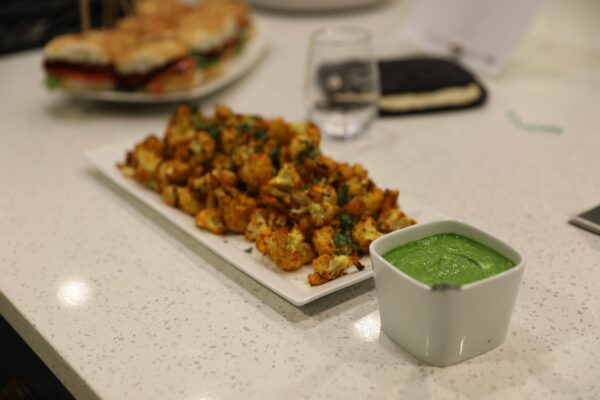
{"points": [[342, 81]]}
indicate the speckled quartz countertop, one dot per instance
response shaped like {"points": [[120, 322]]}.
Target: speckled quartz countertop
{"points": [[122, 305]]}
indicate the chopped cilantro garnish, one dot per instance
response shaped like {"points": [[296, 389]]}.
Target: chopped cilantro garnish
{"points": [[244, 36], [212, 130], [309, 151], [346, 221], [248, 250], [194, 107], [243, 127], [260, 135], [344, 239], [258, 149], [343, 196], [274, 154], [203, 61], [52, 82]]}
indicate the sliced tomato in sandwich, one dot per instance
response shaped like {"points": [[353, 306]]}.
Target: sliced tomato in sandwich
{"points": [[81, 75], [178, 76]]}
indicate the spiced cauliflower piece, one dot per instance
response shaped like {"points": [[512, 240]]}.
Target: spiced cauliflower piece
{"points": [[393, 219], [280, 131], [287, 248], [210, 219], [201, 148], [323, 240], [256, 171], [179, 129], [364, 232], [173, 172], [328, 267], [257, 224], [263, 219], [318, 204], [236, 211], [187, 202], [287, 178], [169, 195]]}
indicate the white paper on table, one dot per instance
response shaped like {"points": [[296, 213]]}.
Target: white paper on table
{"points": [[486, 31]]}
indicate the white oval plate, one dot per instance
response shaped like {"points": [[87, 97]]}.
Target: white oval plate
{"points": [[235, 69], [292, 286]]}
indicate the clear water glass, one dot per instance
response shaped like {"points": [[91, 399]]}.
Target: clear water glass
{"points": [[342, 81]]}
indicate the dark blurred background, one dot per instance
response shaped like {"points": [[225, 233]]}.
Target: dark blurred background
{"points": [[23, 376], [26, 24]]}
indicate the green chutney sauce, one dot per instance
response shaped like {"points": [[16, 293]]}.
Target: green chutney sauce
{"points": [[447, 259]]}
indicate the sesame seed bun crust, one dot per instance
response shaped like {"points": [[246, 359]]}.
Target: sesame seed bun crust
{"points": [[86, 48], [204, 32], [150, 55]]}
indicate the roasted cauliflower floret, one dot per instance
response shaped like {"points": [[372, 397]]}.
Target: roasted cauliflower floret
{"points": [[146, 163], [152, 143], [180, 129], [204, 185], [228, 140], [390, 199], [241, 153], [364, 232], [186, 200], [173, 172], [201, 148], [369, 203], [280, 131], [263, 219], [210, 219], [323, 240], [328, 267], [319, 203], [169, 195], [256, 171], [223, 113], [393, 219], [287, 248], [222, 161], [225, 178], [257, 223], [236, 211], [373, 201], [286, 179]]}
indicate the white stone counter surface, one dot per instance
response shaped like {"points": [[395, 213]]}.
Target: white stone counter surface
{"points": [[120, 304]]}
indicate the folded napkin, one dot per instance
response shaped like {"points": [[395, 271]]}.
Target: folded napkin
{"points": [[408, 86], [418, 85]]}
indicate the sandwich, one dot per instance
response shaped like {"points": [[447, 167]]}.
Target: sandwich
{"points": [[85, 60], [79, 61], [158, 65], [215, 31]]}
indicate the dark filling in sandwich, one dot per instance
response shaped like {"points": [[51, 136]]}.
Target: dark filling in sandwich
{"points": [[140, 80], [83, 71]]}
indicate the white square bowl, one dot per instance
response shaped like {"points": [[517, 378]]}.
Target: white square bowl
{"points": [[447, 325]]}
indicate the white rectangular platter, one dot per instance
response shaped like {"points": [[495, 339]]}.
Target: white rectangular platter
{"points": [[292, 286]]}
